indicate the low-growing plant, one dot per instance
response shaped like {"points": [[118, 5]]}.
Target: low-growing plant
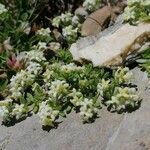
{"points": [[144, 60], [45, 81], [52, 88], [137, 11]]}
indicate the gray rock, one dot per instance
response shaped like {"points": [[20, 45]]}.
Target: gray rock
{"points": [[81, 12], [113, 49], [134, 131], [72, 134], [96, 21], [87, 41], [110, 131]]}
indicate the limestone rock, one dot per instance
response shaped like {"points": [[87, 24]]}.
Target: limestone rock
{"points": [[71, 134], [96, 21], [113, 48], [109, 132], [134, 131]]}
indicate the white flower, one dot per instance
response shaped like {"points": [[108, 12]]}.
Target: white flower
{"points": [[56, 21], [19, 111], [7, 44], [47, 75], [66, 17], [71, 67], [16, 93], [63, 20], [44, 32], [34, 68], [69, 31], [136, 11], [92, 5], [103, 86], [123, 97], [58, 89], [54, 46], [36, 55], [145, 3], [129, 13], [22, 78], [42, 46], [75, 20], [19, 82], [6, 102], [2, 9], [131, 2], [77, 97], [87, 109], [47, 114], [4, 112], [123, 75]]}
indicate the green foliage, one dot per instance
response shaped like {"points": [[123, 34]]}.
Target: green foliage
{"points": [[137, 11], [144, 61], [47, 82]]}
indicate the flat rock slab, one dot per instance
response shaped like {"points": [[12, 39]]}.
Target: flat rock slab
{"points": [[134, 131], [109, 131], [113, 49], [72, 134]]}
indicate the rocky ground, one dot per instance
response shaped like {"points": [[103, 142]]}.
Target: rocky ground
{"points": [[110, 131]]}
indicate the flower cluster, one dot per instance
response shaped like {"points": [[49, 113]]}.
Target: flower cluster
{"points": [[70, 25], [44, 35], [123, 75], [43, 32], [75, 20], [36, 55], [52, 89], [2, 9], [19, 82], [143, 2], [88, 109], [70, 33], [114, 94], [47, 114], [103, 86], [76, 97], [34, 68], [137, 11], [4, 112], [71, 67], [58, 89], [47, 75], [63, 19], [92, 5], [122, 98], [19, 111]]}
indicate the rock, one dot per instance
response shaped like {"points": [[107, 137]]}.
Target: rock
{"points": [[134, 131], [111, 131], [112, 49], [81, 12], [58, 36], [119, 6], [71, 134], [7, 45], [3, 74], [55, 46], [96, 21]]}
